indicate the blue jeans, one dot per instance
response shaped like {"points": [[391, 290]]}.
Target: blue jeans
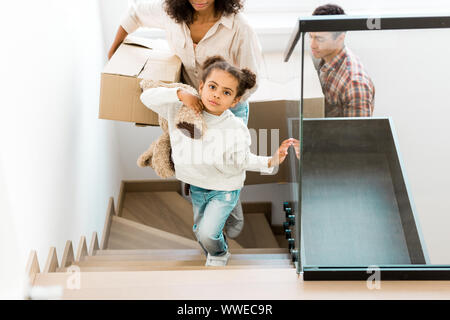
{"points": [[211, 211], [241, 110]]}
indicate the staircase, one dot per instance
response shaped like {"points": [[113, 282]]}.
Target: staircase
{"points": [[148, 251]]}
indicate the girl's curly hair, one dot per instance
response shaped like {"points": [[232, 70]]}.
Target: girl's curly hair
{"points": [[245, 77], [182, 10]]}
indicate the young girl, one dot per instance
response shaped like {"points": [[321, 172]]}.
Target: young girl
{"points": [[195, 30], [214, 165]]}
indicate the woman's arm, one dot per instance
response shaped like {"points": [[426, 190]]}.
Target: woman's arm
{"points": [[149, 14], [120, 36]]}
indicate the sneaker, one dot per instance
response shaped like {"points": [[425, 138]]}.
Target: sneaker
{"points": [[217, 261], [235, 222]]}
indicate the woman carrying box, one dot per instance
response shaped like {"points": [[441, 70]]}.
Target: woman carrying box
{"points": [[195, 30]]}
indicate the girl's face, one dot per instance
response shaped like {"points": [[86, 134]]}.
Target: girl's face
{"points": [[218, 93], [202, 5]]}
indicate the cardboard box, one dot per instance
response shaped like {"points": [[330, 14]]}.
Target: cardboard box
{"points": [[135, 59], [271, 106]]}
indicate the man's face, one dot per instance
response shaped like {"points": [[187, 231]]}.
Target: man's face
{"points": [[323, 44]]}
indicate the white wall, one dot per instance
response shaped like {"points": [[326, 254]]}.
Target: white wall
{"points": [[59, 163], [131, 139]]}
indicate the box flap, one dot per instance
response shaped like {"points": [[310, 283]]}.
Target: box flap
{"points": [[128, 60], [157, 44], [131, 58], [162, 66]]}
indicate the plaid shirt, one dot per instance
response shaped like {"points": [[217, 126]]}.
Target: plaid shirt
{"points": [[348, 90]]}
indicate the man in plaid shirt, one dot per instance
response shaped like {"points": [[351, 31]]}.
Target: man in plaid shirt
{"points": [[348, 90]]}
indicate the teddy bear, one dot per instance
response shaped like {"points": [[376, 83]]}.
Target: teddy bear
{"points": [[192, 125]]}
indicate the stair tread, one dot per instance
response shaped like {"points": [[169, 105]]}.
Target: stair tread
{"points": [[232, 284], [257, 232], [186, 256], [185, 251], [282, 241], [199, 262], [175, 267], [127, 234], [164, 210]]}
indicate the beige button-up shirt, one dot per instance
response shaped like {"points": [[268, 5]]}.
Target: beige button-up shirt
{"points": [[231, 37]]}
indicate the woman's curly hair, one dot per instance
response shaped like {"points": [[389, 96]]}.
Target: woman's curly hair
{"points": [[182, 10]]}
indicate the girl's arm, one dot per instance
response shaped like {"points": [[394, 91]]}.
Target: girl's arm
{"points": [[266, 164], [149, 14], [282, 152], [239, 157], [161, 100]]}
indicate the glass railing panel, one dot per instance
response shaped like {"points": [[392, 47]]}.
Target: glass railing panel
{"points": [[373, 172]]}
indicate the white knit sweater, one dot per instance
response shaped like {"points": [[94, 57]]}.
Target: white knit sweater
{"points": [[219, 159]]}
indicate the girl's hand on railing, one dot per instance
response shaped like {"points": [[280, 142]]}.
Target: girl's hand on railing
{"points": [[296, 145], [281, 153]]}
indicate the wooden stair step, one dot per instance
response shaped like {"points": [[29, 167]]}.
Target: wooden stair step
{"points": [[233, 245], [232, 284], [167, 211], [171, 284], [175, 267], [257, 232], [185, 256], [126, 234], [144, 265], [186, 251], [199, 262], [282, 241]]}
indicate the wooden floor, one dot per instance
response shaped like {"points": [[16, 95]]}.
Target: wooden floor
{"points": [[271, 284]]}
